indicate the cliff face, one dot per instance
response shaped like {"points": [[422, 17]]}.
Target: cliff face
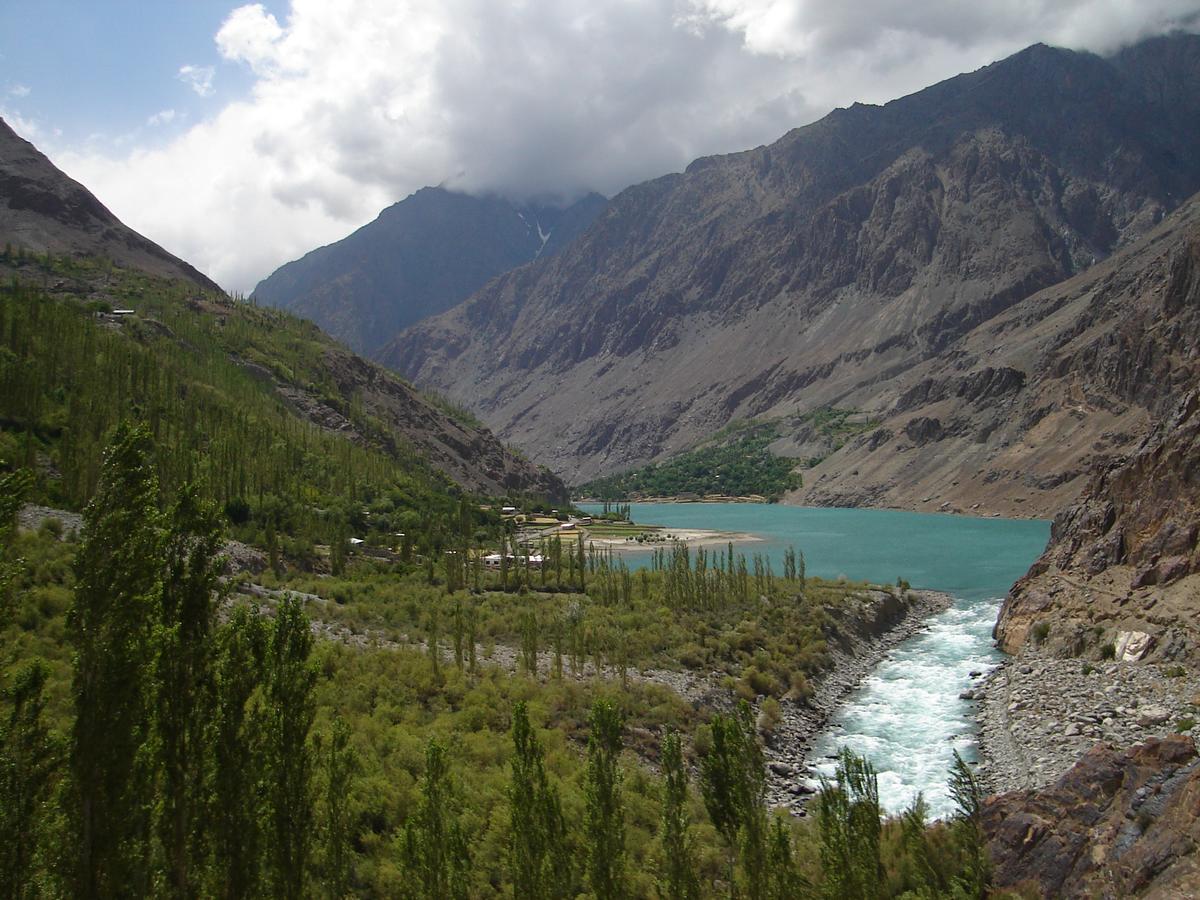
{"points": [[43, 210], [420, 257], [825, 268], [1123, 564], [1118, 824]]}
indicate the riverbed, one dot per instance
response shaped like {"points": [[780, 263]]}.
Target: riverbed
{"points": [[907, 716]]}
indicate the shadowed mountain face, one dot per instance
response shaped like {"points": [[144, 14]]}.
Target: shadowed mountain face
{"points": [[43, 210], [420, 257], [825, 268]]}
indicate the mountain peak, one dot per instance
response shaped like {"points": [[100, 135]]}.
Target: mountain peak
{"points": [[47, 211]]}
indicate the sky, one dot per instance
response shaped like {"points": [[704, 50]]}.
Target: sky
{"points": [[242, 136]]}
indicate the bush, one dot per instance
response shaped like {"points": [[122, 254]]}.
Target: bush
{"points": [[1040, 632], [1185, 724], [769, 716], [1108, 651]]}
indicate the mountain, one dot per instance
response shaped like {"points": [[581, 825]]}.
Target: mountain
{"points": [[250, 390], [420, 257], [45, 211], [822, 269], [1014, 416]]}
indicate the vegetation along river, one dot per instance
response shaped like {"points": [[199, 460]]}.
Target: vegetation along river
{"points": [[907, 716]]}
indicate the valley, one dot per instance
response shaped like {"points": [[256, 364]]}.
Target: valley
{"points": [[820, 520]]}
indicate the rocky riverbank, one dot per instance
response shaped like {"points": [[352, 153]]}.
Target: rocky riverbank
{"points": [[1039, 714]]}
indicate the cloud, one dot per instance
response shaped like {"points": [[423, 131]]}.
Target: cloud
{"points": [[18, 90], [162, 117], [356, 104], [198, 78]]}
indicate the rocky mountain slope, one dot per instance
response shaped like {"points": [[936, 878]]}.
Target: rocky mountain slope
{"points": [[1014, 415], [824, 269], [43, 210], [1123, 565], [420, 257]]}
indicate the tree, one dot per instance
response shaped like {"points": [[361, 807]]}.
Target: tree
{"points": [[237, 779], [183, 685], [117, 572], [733, 784], [539, 856], [288, 713], [339, 764], [28, 761], [848, 814], [679, 855], [605, 816], [434, 846], [967, 830], [13, 487]]}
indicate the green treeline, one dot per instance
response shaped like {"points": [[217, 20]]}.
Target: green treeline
{"points": [[737, 465]]}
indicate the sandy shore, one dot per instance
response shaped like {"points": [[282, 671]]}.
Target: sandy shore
{"points": [[665, 537]]}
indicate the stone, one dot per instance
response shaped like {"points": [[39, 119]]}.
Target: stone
{"points": [[1149, 716], [1131, 646]]}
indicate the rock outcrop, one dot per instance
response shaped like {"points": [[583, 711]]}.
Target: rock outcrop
{"points": [[842, 265], [1120, 823]]}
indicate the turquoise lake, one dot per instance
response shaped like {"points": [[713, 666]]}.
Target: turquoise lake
{"points": [[907, 716]]}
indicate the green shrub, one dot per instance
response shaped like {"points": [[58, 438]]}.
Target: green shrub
{"points": [[1108, 651], [1040, 632]]}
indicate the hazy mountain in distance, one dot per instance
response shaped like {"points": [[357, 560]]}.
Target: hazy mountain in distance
{"points": [[420, 257]]}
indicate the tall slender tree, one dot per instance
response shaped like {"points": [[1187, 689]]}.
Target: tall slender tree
{"points": [[29, 758], [679, 854], [538, 851], [117, 586], [289, 708], [605, 816], [435, 848], [183, 686]]}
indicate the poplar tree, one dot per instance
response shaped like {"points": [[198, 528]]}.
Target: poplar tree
{"points": [[733, 784], [28, 761], [434, 846], [237, 779], [183, 685], [679, 854], [339, 764], [117, 584], [848, 817], [605, 816], [288, 712], [539, 856]]}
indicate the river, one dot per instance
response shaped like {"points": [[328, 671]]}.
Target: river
{"points": [[907, 717]]}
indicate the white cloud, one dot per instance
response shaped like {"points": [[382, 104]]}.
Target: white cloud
{"points": [[358, 103], [198, 78], [162, 117], [19, 90]]}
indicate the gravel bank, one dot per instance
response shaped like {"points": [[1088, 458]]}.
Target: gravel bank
{"points": [[1037, 715]]}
